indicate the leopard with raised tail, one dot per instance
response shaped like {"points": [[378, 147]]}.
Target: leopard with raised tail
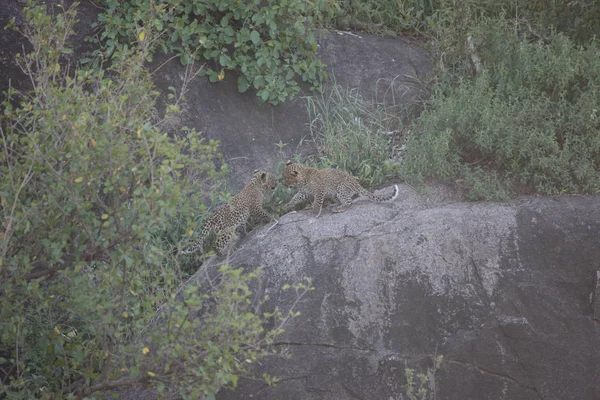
{"points": [[326, 183]]}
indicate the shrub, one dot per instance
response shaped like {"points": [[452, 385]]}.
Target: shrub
{"points": [[529, 119], [269, 44], [88, 184]]}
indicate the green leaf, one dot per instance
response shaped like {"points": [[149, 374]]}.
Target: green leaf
{"points": [[259, 82], [242, 84], [255, 37], [224, 60], [264, 95]]}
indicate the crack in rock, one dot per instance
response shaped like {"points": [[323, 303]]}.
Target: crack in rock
{"points": [[500, 375], [329, 345]]}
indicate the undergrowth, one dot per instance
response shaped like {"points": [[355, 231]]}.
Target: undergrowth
{"points": [[527, 122], [93, 198]]}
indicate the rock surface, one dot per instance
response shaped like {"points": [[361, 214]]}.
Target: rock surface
{"points": [[503, 291]]}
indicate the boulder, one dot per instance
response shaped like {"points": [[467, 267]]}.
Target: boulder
{"points": [[505, 292]]}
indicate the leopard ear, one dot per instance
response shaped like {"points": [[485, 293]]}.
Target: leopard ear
{"points": [[289, 162], [263, 176]]}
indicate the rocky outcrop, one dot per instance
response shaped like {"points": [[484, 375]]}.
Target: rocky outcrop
{"points": [[504, 291]]}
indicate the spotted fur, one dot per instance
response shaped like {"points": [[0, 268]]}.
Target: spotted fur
{"points": [[248, 202], [326, 183]]}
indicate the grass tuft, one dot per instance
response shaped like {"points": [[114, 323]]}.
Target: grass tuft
{"points": [[352, 134]]}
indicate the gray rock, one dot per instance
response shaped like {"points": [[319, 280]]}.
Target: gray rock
{"points": [[595, 297], [501, 290]]}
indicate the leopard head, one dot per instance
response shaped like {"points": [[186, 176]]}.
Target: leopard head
{"points": [[293, 174], [265, 179]]}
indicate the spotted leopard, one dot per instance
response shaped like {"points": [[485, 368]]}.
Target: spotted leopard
{"points": [[325, 183], [248, 202]]}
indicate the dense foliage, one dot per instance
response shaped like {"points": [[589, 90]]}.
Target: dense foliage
{"points": [[528, 120], [88, 187], [269, 44]]}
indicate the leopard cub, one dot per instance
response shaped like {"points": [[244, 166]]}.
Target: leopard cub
{"points": [[329, 182], [248, 202]]}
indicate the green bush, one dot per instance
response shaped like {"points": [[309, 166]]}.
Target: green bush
{"points": [[528, 120], [269, 44], [88, 187]]}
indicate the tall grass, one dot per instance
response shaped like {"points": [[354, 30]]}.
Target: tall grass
{"points": [[442, 19], [352, 134]]}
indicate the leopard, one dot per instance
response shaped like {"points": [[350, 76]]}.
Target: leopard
{"points": [[326, 183], [235, 214]]}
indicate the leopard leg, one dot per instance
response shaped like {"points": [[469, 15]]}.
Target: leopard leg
{"points": [[241, 230], [317, 206], [199, 245], [298, 198], [261, 213], [224, 239], [345, 199]]}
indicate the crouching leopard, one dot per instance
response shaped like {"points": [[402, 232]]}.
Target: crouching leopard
{"points": [[248, 202], [322, 183]]}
